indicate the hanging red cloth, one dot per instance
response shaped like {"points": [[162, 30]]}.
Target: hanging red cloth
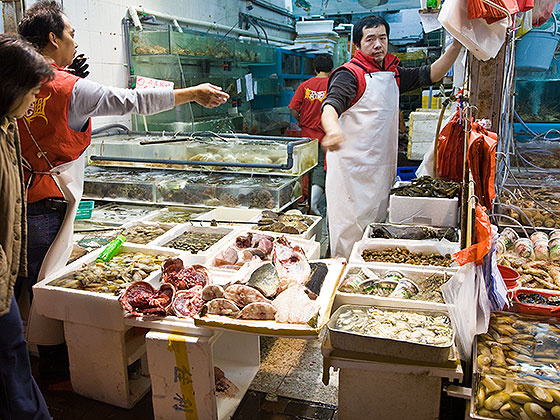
{"points": [[483, 230], [478, 9], [451, 148], [481, 156]]}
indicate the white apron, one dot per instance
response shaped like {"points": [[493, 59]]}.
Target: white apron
{"points": [[361, 172], [69, 178]]}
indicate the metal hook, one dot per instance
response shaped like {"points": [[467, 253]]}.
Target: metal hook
{"points": [[476, 200]]}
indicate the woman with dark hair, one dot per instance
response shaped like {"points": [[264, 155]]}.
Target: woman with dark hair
{"points": [[22, 72]]}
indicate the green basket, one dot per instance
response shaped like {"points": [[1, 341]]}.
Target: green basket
{"points": [[84, 209]]}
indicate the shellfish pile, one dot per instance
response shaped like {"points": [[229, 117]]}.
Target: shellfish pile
{"points": [[112, 276], [518, 370], [426, 186], [404, 256], [292, 222], [195, 242], [397, 325], [143, 233]]}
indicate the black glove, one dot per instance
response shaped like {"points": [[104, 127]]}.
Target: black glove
{"points": [[79, 66]]}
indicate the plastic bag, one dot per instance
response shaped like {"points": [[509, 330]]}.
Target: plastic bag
{"points": [[479, 9], [496, 289], [476, 252], [482, 39], [523, 23], [468, 305], [450, 149], [542, 11], [481, 155]]}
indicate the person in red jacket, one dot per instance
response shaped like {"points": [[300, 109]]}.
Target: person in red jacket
{"points": [[305, 107]]}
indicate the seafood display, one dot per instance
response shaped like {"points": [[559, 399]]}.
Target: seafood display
{"points": [[113, 276], [293, 222], [517, 372], [389, 231], [119, 214], [533, 274], [427, 186], [256, 150], [142, 233], [141, 298], [188, 302], [177, 215], [245, 248], [538, 299], [525, 198], [183, 278], [404, 256], [195, 242], [416, 327]]}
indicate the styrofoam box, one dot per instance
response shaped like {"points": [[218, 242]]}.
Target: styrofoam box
{"points": [[228, 215], [312, 249], [313, 232], [440, 212], [201, 257], [314, 26], [152, 217], [418, 272], [427, 246], [368, 229], [101, 310], [132, 223]]}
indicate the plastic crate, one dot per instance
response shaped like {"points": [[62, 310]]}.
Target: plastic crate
{"points": [[84, 209], [406, 173]]}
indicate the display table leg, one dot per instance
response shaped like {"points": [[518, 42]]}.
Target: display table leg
{"points": [[387, 395], [99, 364]]}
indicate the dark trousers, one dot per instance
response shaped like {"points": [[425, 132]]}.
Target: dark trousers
{"points": [[20, 397], [43, 224]]}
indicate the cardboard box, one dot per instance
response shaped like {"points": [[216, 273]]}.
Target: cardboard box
{"points": [[433, 211]]}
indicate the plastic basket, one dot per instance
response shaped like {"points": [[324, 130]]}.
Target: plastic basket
{"points": [[84, 209], [406, 173], [534, 51]]}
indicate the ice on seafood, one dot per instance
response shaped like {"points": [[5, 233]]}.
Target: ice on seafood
{"points": [[243, 295], [258, 310], [294, 306]]}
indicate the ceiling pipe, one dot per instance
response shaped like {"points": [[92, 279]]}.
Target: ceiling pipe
{"points": [[134, 11]]}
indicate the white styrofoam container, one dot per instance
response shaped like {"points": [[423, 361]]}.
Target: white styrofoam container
{"points": [[312, 249], [191, 361], [369, 228], [313, 232], [228, 214], [132, 223], [427, 246], [314, 26], [101, 310], [414, 274], [433, 211], [201, 257], [152, 217]]}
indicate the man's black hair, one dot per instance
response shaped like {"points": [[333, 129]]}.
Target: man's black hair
{"points": [[323, 63], [368, 22], [39, 21]]}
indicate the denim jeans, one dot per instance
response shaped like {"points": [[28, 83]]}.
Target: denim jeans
{"points": [[42, 226], [20, 398]]}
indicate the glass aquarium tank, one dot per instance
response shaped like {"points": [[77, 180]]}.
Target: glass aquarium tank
{"points": [[249, 151]]}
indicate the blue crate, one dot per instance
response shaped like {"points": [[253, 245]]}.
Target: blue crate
{"points": [[406, 173]]}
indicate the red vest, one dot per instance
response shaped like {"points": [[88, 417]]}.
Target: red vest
{"points": [[48, 121], [362, 64]]}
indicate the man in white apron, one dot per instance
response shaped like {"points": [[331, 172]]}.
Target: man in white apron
{"points": [[360, 117], [54, 136]]}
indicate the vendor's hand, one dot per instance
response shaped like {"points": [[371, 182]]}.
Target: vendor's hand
{"points": [[79, 66], [209, 95], [332, 140]]}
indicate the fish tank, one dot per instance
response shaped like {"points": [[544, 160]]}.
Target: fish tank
{"points": [[191, 188], [239, 153], [221, 190]]}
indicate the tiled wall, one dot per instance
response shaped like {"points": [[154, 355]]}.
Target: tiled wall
{"points": [[100, 36]]}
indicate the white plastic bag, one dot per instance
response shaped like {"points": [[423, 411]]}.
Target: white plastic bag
{"points": [[468, 305], [482, 39]]}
